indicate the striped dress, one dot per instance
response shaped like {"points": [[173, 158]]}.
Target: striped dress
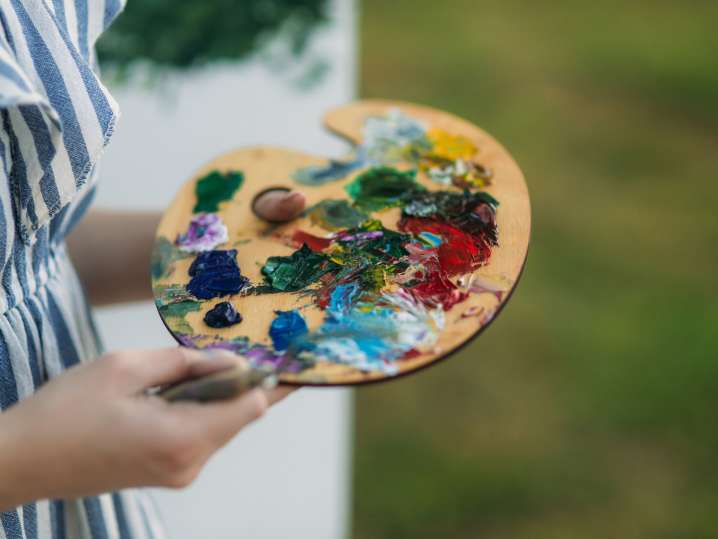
{"points": [[56, 118]]}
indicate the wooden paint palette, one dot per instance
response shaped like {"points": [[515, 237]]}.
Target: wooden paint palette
{"points": [[380, 309]]}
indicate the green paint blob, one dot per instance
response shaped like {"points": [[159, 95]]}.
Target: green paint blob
{"points": [[164, 255], [297, 271], [373, 278], [369, 254], [447, 204], [215, 188], [335, 214], [174, 315], [474, 213], [383, 187]]}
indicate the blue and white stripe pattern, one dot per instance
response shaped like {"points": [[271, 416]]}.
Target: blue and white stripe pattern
{"points": [[55, 119]]}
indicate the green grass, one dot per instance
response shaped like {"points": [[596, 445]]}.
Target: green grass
{"points": [[587, 409]]}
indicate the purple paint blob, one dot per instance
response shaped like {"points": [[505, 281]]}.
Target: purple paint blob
{"points": [[371, 235], [205, 232]]}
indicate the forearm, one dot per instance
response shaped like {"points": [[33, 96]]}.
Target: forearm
{"points": [[111, 251], [30, 468], [15, 489]]}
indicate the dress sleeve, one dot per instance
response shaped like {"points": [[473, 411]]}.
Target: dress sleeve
{"points": [[55, 112]]}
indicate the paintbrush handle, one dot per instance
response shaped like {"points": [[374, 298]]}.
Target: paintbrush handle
{"points": [[221, 385]]}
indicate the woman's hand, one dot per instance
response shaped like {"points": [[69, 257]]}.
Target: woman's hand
{"points": [[94, 428]]}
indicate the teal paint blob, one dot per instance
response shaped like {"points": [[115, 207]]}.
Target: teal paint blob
{"points": [[335, 214], [320, 174], [164, 256]]}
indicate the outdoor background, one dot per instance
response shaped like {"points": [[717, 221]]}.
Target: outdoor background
{"points": [[589, 408]]}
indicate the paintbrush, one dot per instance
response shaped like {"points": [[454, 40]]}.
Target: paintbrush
{"points": [[227, 383]]}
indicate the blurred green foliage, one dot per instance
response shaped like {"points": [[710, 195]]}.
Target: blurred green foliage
{"points": [[174, 34], [586, 410]]}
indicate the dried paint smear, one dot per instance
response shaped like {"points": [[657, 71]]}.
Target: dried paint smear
{"points": [[446, 158], [383, 291]]}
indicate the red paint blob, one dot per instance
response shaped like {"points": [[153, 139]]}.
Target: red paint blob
{"points": [[436, 290], [459, 251], [315, 243], [411, 354], [323, 296]]}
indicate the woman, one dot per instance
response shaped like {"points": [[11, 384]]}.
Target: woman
{"points": [[74, 432]]}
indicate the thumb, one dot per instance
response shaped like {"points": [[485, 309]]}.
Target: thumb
{"points": [[279, 205]]}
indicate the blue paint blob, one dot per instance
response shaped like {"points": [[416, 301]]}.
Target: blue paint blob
{"points": [[367, 335], [370, 331], [342, 300], [215, 274], [286, 327], [321, 174], [431, 239], [222, 315]]}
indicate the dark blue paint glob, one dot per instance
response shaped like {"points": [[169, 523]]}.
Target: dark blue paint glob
{"points": [[287, 326], [215, 274], [222, 315]]}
